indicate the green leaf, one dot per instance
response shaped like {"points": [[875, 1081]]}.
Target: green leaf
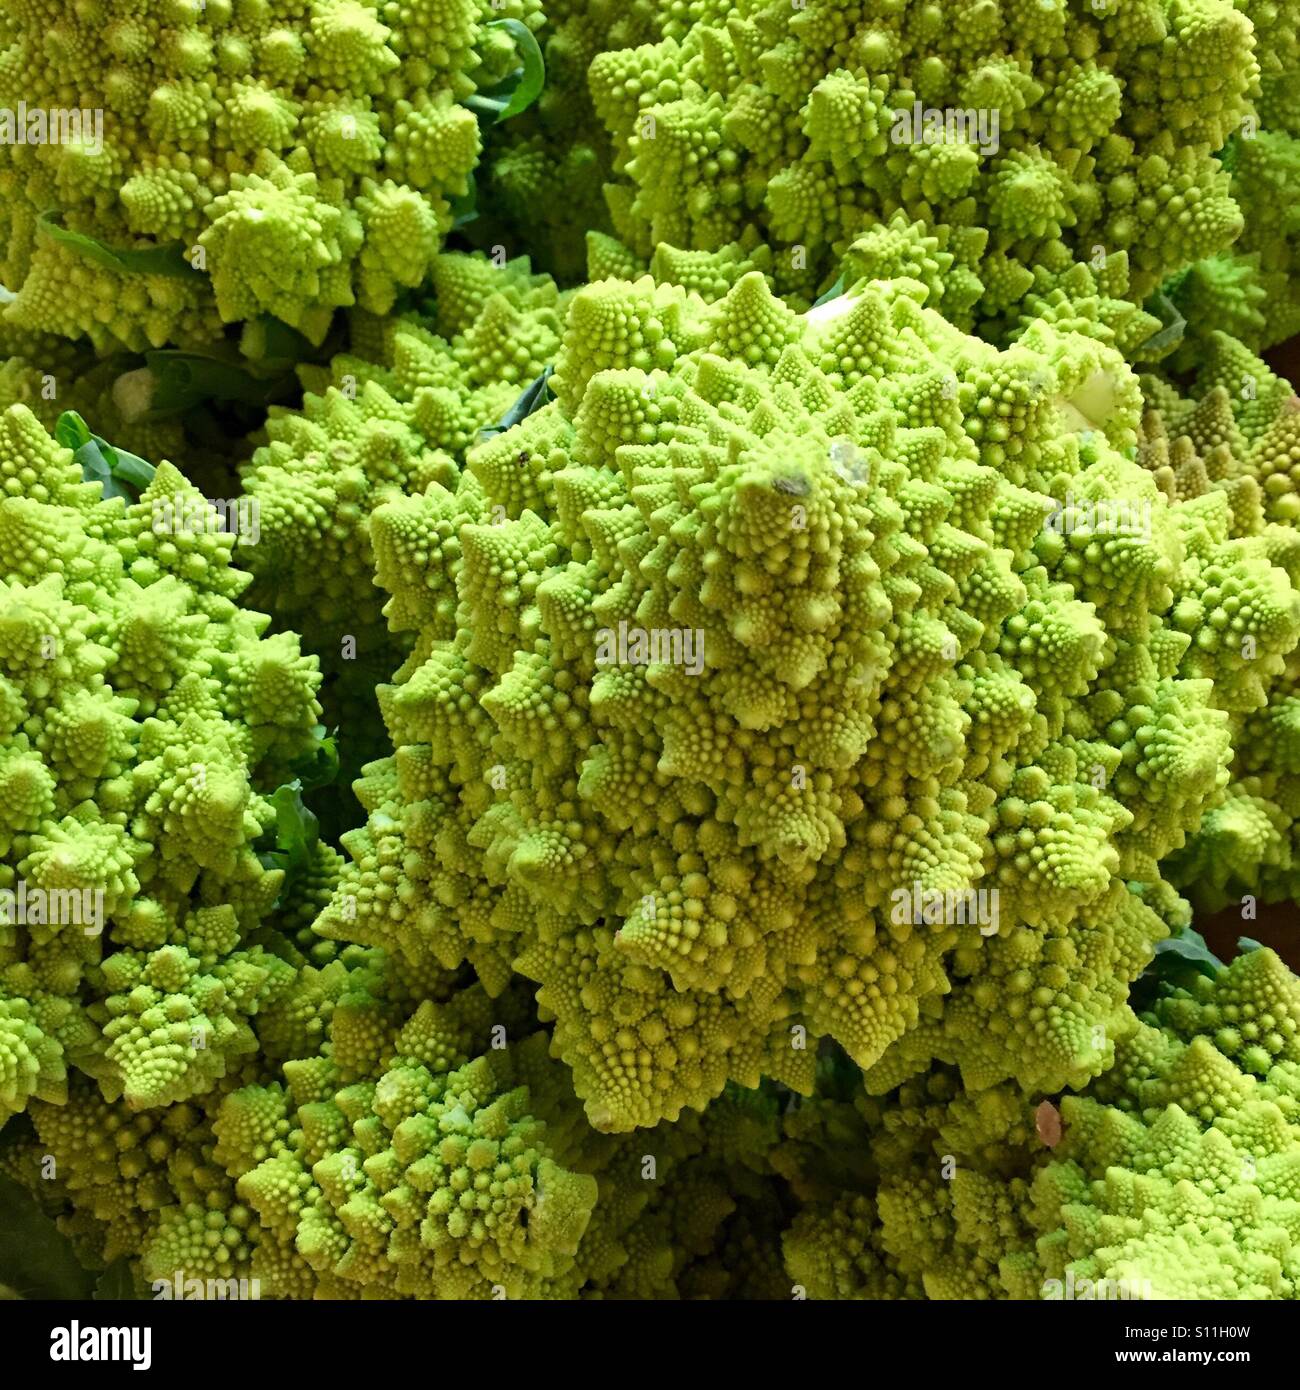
{"points": [[71, 430], [95, 468], [534, 396], [279, 342], [1179, 959], [183, 380], [532, 77], [1246, 944], [464, 208], [36, 1258], [1188, 946], [1162, 307], [486, 107], [834, 292], [116, 1283], [517, 92], [119, 473], [320, 767], [152, 260], [296, 831], [133, 470]]}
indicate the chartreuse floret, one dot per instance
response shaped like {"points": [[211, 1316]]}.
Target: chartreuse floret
{"points": [[1250, 289], [234, 161], [541, 175], [150, 1186], [1006, 130], [448, 1158], [1229, 455], [384, 421], [433, 1185], [1172, 1176], [742, 664], [143, 716], [144, 1187]]}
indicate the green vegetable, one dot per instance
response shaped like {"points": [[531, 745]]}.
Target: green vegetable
{"points": [[154, 260], [518, 92]]}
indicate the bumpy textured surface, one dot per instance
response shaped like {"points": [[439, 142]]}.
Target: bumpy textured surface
{"points": [[417, 1141], [1229, 454], [541, 174], [796, 687], [1109, 115], [1179, 1175], [388, 419], [906, 680], [1172, 1176], [303, 157], [151, 1185], [1251, 290], [447, 1178], [143, 716]]}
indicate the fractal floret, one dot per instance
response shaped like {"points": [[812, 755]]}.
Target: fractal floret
{"points": [[144, 717], [422, 1144], [442, 1177], [542, 174], [1172, 1176], [649, 650], [224, 161], [767, 639], [1251, 289], [395, 414], [1005, 128], [1229, 455]]}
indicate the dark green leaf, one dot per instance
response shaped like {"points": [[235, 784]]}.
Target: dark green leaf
{"points": [[270, 350], [183, 380], [152, 260], [133, 470], [1189, 946], [118, 473], [1173, 286], [280, 342], [416, 303], [36, 1259], [95, 468], [464, 209], [532, 77], [1228, 155], [533, 398], [116, 1283], [320, 767], [1178, 961]]}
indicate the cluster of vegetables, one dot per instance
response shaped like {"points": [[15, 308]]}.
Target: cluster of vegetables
{"points": [[629, 636]]}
